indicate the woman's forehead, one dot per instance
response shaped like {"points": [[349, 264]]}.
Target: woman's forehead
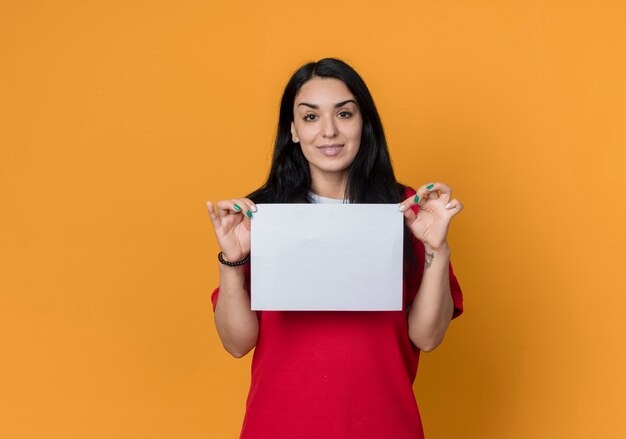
{"points": [[323, 92]]}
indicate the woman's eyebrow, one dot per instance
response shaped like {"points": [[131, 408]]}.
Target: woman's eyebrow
{"points": [[337, 105]]}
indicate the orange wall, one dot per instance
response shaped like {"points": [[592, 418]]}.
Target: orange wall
{"points": [[119, 119]]}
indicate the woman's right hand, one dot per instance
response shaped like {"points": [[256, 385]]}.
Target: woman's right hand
{"points": [[232, 226]]}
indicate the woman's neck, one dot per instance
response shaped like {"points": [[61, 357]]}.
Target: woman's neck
{"points": [[329, 186]]}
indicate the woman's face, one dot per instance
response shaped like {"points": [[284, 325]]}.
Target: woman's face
{"points": [[328, 124]]}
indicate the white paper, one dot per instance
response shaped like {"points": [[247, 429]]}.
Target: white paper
{"points": [[326, 257]]}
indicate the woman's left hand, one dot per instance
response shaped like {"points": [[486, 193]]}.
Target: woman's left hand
{"points": [[430, 224]]}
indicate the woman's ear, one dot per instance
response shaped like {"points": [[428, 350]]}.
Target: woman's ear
{"points": [[294, 136]]}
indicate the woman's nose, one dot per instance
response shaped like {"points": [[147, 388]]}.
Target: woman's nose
{"points": [[328, 128]]}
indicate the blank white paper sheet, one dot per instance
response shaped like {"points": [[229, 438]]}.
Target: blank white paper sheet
{"points": [[332, 257]]}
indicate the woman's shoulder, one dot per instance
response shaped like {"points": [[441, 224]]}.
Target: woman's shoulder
{"points": [[406, 191]]}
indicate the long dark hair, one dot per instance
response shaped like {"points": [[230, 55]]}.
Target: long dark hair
{"points": [[370, 176]]}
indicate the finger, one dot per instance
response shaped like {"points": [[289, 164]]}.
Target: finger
{"points": [[246, 206], [452, 204], [215, 219], [455, 205], [442, 188], [432, 191], [406, 204], [424, 193], [253, 207], [229, 207]]}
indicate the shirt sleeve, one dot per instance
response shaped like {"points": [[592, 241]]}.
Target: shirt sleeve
{"points": [[414, 280], [214, 295], [457, 294]]}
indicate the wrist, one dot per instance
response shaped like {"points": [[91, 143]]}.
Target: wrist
{"points": [[233, 255], [442, 249], [232, 261]]}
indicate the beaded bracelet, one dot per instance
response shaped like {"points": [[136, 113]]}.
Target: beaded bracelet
{"points": [[232, 264]]}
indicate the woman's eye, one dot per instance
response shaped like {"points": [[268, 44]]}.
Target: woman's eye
{"points": [[345, 114], [312, 116]]}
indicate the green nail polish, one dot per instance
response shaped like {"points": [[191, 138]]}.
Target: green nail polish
{"points": [[417, 198], [249, 214], [237, 208], [430, 186]]}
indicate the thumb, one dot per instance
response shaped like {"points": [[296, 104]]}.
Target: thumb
{"points": [[409, 214], [247, 225]]}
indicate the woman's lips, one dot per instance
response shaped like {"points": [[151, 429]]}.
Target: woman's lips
{"points": [[330, 150]]}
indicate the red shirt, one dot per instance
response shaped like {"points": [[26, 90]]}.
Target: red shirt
{"points": [[337, 374]]}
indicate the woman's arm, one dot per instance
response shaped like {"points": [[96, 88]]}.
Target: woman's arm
{"points": [[237, 325], [432, 308], [428, 216]]}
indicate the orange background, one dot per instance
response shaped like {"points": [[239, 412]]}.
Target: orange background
{"points": [[120, 119]]}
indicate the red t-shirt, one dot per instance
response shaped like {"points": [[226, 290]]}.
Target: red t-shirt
{"points": [[337, 374]]}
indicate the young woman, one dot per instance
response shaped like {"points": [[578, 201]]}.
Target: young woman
{"points": [[336, 374]]}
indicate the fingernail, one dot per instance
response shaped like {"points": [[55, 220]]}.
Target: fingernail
{"points": [[401, 207], [416, 199], [237, 208], [253, 208], [430, 186], [447, 205], [249, 214]]}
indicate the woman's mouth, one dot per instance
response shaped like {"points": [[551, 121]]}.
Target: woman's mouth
{"points": [[330, 150]]}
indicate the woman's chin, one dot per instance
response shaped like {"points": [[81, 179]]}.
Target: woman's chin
{"points": [[325, 169]]}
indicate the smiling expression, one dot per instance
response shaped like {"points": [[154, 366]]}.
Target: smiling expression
{"points": [[327, 124]]}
